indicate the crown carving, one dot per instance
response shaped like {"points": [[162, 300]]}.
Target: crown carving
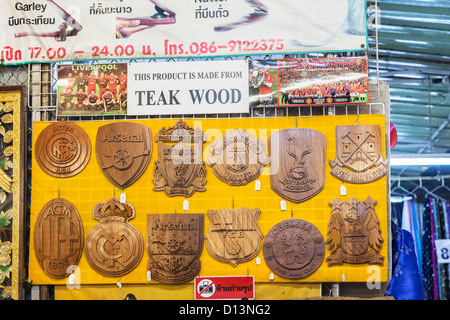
{"points": [[113, 209]]}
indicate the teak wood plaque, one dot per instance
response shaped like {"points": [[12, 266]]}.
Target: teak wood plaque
{"points": [[294, 249], [174, 246], [238, 157], [234, 236], [297, 163], [114, 247], [58, 238], [123, 151], [358, 154], [63, 149]]}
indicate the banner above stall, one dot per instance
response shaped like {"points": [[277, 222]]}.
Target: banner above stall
{"points": [[61, 30]]}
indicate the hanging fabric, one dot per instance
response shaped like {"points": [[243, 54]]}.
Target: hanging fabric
{"points": [[428, 254]]}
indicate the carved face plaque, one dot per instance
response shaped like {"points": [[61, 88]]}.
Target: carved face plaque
{"points": [[174, 245], [179, 170], [63, 149], [234, 236], [358, 149], [114, 247], [58, 238], [238, 157], [294, 249], [297, 157], [123, 151]]}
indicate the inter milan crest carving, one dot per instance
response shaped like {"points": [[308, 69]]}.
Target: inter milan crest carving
{"points": [[63, 149], [354, 234], [238, 157], [114, 247], [174, 245], [234, 236], [358, 149], [123, 151], [58, 237], [179, 170], [297, 163], [294, 249]]}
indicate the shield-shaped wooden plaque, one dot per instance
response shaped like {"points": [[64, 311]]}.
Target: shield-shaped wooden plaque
{"points": [[297, 157], [123, 151]]}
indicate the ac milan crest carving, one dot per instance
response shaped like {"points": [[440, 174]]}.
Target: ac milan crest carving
{"points": [[354, 234], [358, 149], [238, 157], [234, 236], [179, 170], [123, 151], [174, 245], [297, 157]]}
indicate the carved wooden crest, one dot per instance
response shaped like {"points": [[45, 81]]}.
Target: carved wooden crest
{"points": [[179, 170], [297, 163], [174, 245], [294, 249], [234, 236], [353, 229], [114, 247], [358, 148], [123, 151], [63, 149], [238, 157], [58, 237]]}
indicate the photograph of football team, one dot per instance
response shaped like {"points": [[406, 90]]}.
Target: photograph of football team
{"points": [[95, 89], [262, 83]]}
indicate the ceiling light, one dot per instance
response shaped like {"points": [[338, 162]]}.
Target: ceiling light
{"points": [[420, 160]]}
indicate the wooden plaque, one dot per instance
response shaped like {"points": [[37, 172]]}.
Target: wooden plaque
{"points": [[63, 149], [358, 154], [294, 249], [123, 151], [174, 245], [234, 236], [354, 234], [114, 247], [58, 238], [238, 157], [297, 163]]}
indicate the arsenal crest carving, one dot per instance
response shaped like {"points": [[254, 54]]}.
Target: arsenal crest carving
{"points": [[234, 236], [297, 157], [63, 149], [354, 234], [114, 247], [123, 151], [174, 245], [294, 249], [179, 170], [238, 157], [358, 149], [58, 237]]}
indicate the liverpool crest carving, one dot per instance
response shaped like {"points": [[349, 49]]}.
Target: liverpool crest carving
{"points": [[238, 157], [234, 236], [114, 247], [179, 170], [123, 151], [174, 245], [358, 154], [354, 234], [297, 163]]}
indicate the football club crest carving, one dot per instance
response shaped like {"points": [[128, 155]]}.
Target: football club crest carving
{"points": [[238, 157], [114, 247], [297, 163], [123, 151], [234, 236], [294, 249], [354, 234], [179, 170], [58, 237], [174, 245], [358, 149]]}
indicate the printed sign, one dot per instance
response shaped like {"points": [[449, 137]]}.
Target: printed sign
{"points": [[443, 250], [229, 288]]}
